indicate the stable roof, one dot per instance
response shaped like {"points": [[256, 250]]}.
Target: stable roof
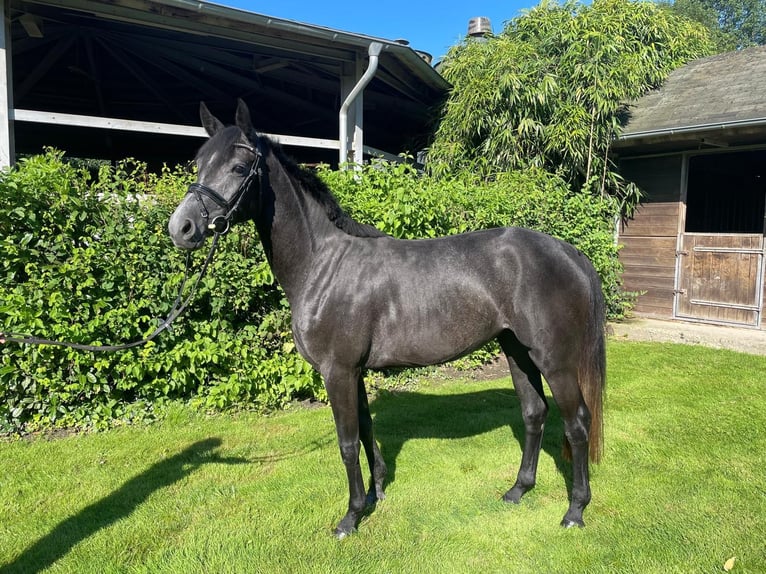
{"points": [[714, 101]]}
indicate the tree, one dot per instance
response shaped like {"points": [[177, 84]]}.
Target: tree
{"points": [[734, 24], [551, 89]]}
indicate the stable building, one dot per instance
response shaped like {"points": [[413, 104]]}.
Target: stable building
{"points": [[124, 78], [694, 249]]}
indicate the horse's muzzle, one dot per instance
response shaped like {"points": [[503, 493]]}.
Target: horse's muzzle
{"points": [[185, 232]]}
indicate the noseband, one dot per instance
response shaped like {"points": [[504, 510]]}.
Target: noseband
{"points": [[221, 223]]}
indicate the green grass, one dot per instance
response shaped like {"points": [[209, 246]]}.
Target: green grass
{"points": [[682, 487]]}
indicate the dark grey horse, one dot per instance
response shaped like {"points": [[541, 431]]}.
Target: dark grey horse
{"points": [[362, 300]]}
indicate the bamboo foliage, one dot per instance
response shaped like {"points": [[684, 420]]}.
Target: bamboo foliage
{"points": [[552, 89]]}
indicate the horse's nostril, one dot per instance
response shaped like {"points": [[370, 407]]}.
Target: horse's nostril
{"points": [[187, 228]]}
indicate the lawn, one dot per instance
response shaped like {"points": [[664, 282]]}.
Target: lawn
{"points": [[682, 487]]}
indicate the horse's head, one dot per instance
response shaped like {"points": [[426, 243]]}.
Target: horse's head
{"points": [[227, 166]]}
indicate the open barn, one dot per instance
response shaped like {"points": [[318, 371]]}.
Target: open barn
{"points": [[124, 78]]}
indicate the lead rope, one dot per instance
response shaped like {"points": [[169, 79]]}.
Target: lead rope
{"points": [[178, 307]]}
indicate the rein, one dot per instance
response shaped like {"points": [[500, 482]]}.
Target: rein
{"points": [[219, 226], [179, 306]]}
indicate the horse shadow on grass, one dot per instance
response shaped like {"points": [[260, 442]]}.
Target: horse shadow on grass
{"points": [[119, 504], [401, 416]]}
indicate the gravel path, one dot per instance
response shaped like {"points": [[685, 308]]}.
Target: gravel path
{"points": [[745, 340]]}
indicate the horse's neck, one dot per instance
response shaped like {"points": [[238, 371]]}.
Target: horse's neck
{"points": [[292, 226]]}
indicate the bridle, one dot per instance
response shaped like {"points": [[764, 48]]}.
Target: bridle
{"points": [[221, 223]]}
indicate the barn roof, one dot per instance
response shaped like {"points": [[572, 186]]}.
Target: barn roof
{"points": [[155, 60], [719, 100]]}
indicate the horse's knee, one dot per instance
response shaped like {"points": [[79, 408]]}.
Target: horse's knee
{"points": [[534, 418], [349, 452]]}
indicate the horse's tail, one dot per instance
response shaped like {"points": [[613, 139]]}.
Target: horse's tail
{"points": [[591, 374], [591, 371]]}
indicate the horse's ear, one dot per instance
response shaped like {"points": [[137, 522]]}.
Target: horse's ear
{"points": [[243, 117], [209, 121]]}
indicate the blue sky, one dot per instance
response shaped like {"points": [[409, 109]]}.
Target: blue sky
{"points": [[429, 26]]}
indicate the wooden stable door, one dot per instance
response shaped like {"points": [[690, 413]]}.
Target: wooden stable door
{"points": [[720, 278]]}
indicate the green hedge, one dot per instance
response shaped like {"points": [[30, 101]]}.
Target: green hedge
{"points": [[86, 258]]}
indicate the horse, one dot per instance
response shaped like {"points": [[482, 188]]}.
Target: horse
{"points": [[361, 300]]}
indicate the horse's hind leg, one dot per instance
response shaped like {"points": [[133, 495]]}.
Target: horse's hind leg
{"points": [[574, 412], [534, 409], [374, 458]]}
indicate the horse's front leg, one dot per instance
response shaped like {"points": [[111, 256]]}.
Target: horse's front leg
{"points": [[374, 458], [342, 390]]}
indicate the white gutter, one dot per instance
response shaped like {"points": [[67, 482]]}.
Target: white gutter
{"points": [[374, 52], [755, 122]]}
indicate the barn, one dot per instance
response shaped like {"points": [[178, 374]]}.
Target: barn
{"points": [[694, 249], [124, 78]]}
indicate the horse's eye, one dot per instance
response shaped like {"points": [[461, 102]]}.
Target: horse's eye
{"points": [[240, 169]]}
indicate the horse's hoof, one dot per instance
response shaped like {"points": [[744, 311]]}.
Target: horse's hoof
{"points": [[568, 523], [374, 495], [340, 534], [513, 496]]}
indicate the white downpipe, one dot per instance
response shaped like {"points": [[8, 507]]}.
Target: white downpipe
{"points": [[373, 51]]}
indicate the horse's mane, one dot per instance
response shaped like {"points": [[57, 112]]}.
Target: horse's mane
{"points": [[312, 184]]}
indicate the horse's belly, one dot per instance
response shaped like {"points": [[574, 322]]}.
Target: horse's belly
{"points": [[413, 343]]}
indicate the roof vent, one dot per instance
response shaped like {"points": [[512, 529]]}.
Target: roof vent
{"points": [[479, 27], [425, 56]]}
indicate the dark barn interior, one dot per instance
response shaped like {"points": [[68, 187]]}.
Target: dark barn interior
{"points": [[726, 193]]}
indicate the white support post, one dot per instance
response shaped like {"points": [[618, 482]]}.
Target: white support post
{"points": [[7, 148]]}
